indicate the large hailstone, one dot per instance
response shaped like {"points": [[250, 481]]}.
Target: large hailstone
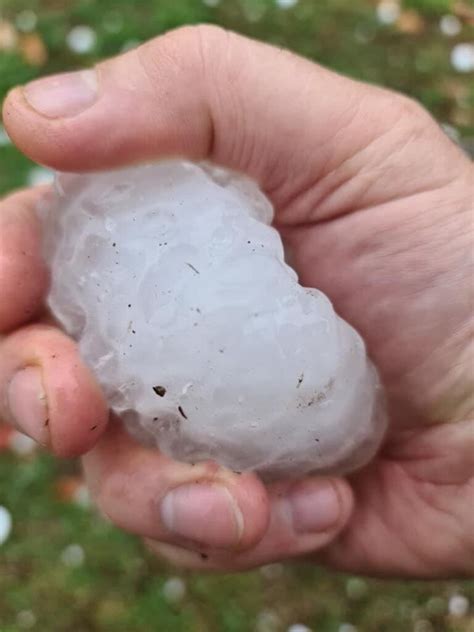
{"points": [[175, 285]]}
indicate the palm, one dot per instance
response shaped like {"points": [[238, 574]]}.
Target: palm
{"points": [[366, 262]]}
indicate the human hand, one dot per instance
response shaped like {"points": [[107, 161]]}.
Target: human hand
{"points": [[45, 391], [375, 205]]}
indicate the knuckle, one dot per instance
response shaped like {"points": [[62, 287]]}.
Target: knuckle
{"points": [[185, 49], [411, 116]]}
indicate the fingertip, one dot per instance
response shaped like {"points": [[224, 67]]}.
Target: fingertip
{"points": [[73, 394], [319, 505], [52, 143], [306, 517], [18, 121], [201, 506], [49, 393], [250, 496]]}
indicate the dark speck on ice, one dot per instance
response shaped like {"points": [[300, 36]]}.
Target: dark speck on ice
{"points": [[195, 270]]}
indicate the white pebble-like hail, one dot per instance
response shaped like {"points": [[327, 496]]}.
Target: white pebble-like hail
{"points": [[175, 284]]}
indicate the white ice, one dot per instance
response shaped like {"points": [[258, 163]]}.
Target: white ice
{"points": [[175, 285]]}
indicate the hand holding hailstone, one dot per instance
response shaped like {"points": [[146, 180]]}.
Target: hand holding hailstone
{"points": [[213, 347], [175, 284]]}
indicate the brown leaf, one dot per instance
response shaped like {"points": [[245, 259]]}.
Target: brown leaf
{"points": [[410, 22], [464, 11], [67, 486], [33, 49]]}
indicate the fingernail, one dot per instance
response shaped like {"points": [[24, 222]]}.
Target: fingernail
{"points": [[27, 404], [63, 96], [314, 506], [204, 513]]}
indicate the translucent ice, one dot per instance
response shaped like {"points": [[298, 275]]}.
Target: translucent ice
{"points": [[175, 285]]}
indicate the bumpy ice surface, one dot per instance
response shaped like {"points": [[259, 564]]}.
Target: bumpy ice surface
{"points": [[174, 283]]}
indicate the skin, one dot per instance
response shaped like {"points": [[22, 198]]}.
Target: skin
{"points": [[375, 204]]}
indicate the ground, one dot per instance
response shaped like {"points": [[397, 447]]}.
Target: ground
{"points": [[63, 568]]}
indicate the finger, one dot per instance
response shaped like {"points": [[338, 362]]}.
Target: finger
{"points": [[202, 92], [201, 506], [47, 393], [306, 516], [23, 274]]}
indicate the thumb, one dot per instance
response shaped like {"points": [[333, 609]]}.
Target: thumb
{"points": [[201, 92], [196, 91]]}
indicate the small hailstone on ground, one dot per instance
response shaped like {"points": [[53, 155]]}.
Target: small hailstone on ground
{"points": [[462, 57], [298, 627], [73, 556], [40, 175], [174, 590], [347, 627], [174, 282], [81, 39], [81, 497], [211, 3], [26, 619], [388, 11], [21, 444], [6, 524], [286, 4], [450, 25], [458, 606]]}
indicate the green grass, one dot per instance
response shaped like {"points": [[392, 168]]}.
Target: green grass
{"points": [[119, 586]]}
